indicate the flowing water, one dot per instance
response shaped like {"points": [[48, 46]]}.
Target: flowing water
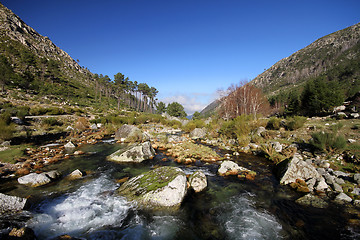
{"points": [[230, 208]]}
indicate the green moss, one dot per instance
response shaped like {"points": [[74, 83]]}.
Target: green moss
{"points": [[13, 153]]}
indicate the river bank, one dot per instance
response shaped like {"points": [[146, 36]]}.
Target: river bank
{"points": [[286, 218]]}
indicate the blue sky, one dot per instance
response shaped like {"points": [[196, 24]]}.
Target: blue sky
{"points": [[186, 49]]}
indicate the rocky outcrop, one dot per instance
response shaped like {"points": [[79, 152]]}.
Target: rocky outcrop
{"points": [[11, 203], [164, 187], [39, 179], [14, 28], [134, 153], [290, 170], [198, 181]]}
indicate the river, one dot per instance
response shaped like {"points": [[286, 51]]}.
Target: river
{"points": [[230, 208]]}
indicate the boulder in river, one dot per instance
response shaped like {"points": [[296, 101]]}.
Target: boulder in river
{"points": [[76, 174], [312, 200], [198, 181], [134, 153], [11, 203], [295, 168], [163, 187], [231, 168], [39, 179]]}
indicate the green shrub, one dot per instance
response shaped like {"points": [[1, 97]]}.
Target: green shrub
{"points": [[52, 122], [5, 117], [336, 127], [7, 130], [295, 122], [190, 126], [274, 123], [328, 142]]}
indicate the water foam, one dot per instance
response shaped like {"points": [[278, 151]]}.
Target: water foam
{"points": [[243, 221], [89, 208]]}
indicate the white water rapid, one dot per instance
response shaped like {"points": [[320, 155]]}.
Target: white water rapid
{"points": [[243, 221], [89, 208]]}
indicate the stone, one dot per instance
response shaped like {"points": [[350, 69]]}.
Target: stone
{"points": [[126, 131], [342, 198], [11, 203], [356, 191], [321, 185], [198, 133], [341, 114], [354, 115], [290, 170], [339, 181], [198, 181], [337, 187], [313, 201], [76, 174], [134, 153], [350, 140], [230, 168], [69, 145], [357, 178], [23, 233], [276, 146], [163, 187], [259, 131], [93, 126], [38, 179]]}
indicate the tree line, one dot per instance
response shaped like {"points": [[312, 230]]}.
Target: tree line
{"points": [[138, 96]]}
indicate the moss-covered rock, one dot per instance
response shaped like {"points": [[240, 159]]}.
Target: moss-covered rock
{"points": [[164, 187]]}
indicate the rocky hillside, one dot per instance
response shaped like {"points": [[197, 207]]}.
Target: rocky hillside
{"points": [[336, 55], [33, 63]]}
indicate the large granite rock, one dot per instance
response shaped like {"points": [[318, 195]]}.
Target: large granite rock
{"points": [[130, 133], [164, 187], [230, 168], [11, 203], [295, 168], [134, 153], [198, 181], [198, 133], [39, 179]]}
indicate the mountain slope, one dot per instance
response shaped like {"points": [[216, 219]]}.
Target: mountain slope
{"points": [[32, 62], [336, 55]]}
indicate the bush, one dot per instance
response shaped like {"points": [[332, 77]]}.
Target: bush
{"points": [[7, 130], [274, 123], [52, 122], [5, 118], [190, 126], [295, 122], [328, 142]]}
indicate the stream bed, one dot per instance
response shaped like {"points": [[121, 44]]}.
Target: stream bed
{"points": [[229, 208]]}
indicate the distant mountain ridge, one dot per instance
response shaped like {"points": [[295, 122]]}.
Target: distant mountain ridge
{"points": [[336, 55]]}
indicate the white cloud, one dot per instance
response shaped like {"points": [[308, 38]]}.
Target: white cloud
{"points": [[192, 102]]}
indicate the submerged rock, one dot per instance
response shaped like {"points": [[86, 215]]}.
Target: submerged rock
{"points": [[311, 200], [23, 233], [198, 181], [11, 203], [158, 188], [135, 153], [39, 179]]}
